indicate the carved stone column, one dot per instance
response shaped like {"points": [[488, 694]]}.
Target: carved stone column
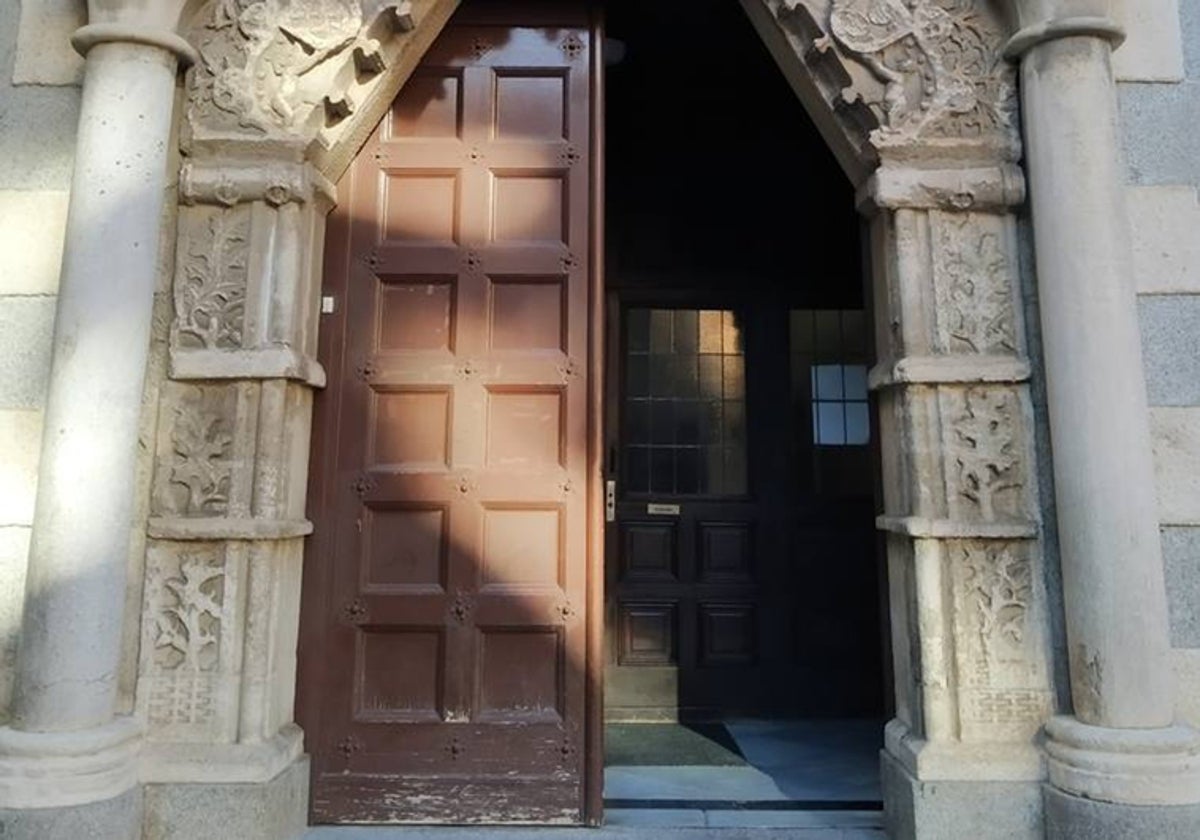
{"points": [[961, 500], [1120, 748], [281, 99], [65, 756]]}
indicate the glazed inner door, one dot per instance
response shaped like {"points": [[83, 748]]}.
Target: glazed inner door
{"points": [[739, 459], [444, 648]]}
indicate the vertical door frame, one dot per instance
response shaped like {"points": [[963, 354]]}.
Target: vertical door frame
{"points": [[594, 679]]}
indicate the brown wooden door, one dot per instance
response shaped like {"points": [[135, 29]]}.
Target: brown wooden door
{"points": [[444, 649]]}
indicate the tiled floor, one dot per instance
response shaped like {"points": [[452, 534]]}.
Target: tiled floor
{"points": [[789, 763]]}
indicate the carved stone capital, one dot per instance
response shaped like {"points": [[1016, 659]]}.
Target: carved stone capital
{"points": [[154, 14], [129, 21], [294, 76], [930, 73], [1045, 20]]}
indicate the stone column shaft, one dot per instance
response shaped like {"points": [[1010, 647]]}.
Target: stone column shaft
{"points": [[74, 602], [1115, 594], [1121, 750]]}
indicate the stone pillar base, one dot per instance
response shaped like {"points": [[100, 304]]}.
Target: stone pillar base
{"points": [[954, 810], [50, 770], [1074, 818], [1130, 766], [119, 818], [276, 809]]}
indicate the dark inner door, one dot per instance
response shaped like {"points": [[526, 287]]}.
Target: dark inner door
{"points": [[742, 574]]}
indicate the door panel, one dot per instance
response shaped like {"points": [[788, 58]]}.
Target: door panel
{"points": [[444, 651]]}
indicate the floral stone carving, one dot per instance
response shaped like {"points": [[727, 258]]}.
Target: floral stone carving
{"points": [[188, 627], [210, 283], [1001, 665], [263, 61], [973, 282], [984, 452], [185, 595], [202, 448], [939, 62], [196, 465]]}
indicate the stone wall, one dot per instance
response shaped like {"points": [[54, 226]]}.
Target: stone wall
{"points": [[37, 141], [1160, 108]]}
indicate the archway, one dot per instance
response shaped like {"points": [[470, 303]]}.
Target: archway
{"points": [[920, 111]]}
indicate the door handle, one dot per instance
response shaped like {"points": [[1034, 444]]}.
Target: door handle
{"points": [[610, 501]]}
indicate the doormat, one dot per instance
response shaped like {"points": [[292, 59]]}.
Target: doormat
{"points": [[670, 745]]}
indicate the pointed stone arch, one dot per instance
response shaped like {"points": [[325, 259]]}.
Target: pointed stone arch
{"points": [[918, 105]]}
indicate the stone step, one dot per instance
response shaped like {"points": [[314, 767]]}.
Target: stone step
{"points": [[648, 824]]}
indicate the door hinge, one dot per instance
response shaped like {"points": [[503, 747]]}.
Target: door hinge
{"points": [[610, 501], [328, 304]]}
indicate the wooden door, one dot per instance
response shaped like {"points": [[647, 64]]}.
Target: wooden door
{"points": [[737, 584], [444, 654]]}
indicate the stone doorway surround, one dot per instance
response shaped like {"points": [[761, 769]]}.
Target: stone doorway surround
{"points": [[918, 100]]}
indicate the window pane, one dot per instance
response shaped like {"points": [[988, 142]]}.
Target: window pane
{"points": [[662, 470], [687, 422], [710, 331], [637, 376], [685, 410], [855, 377], [827, 382], [662, 422], [683, 376], [735, 378], [858, 424], [637, 470], [660, 375], [638, 326], [660, 331], [687, 470], [637, 419], [710, 377], [686, 331], [831, 423]]}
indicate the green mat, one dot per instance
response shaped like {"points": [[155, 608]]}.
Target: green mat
{"points": [[670, 745]]}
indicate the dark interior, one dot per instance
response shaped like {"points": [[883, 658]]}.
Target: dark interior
{"points": [[720, 193]]}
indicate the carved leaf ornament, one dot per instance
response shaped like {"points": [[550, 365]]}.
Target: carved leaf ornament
{"points": [[202, 446], [1001, 582], [211, 295], [187, 630], [977, 303], [984, 449]]}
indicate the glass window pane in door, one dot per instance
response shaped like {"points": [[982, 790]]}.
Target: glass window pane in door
{"points": [[684, 429]]}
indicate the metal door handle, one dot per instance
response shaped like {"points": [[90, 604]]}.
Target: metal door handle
{"points": [[610, 501]]}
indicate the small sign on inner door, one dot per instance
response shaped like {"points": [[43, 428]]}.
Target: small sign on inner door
{"points": [[662, 510]]}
